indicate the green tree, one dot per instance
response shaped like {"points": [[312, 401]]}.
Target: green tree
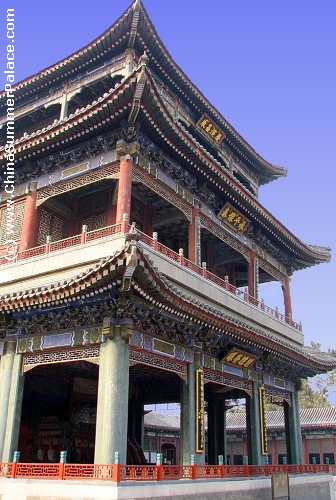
{"points": [[330, 380], [314, 393]]}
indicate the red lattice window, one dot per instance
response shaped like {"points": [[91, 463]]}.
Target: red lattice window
{"points": [[52, 225]]}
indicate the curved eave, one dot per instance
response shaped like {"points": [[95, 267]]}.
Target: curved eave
{"points": [[76, 62], [148, 38], [68, 288], [95, 118], [159, 289], [161, 126], [160, 292], [114, 105], [173, 74]]}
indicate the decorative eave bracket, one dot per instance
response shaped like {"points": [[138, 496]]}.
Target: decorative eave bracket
{"points": [[140, 86]]}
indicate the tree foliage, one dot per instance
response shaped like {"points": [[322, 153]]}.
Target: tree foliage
{"points": [[314, 392], [331, 380]]}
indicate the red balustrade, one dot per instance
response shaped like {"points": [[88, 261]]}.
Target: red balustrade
{"points": [[67, 243], [168, 252], [49, 471], [6, 469], [139, 473], [31, 252], [116, 472], [177, 472], [236, 471], [163, 250], [216, 279], [193, 267], [147, 239], [88, 471], [103, 232], [209, 471]]}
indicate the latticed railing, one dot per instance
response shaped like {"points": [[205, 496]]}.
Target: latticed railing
{"points": [[89, 236], [117, 472]]}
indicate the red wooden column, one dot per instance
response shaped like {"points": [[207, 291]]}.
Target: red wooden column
{"points": [[287, 297], [335, 448], [251, 275], [30, 220], [194, 238], [124, 188], [274, 451], [305, 458]]}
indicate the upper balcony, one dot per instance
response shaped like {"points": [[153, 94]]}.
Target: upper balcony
{"points": [[56, 261]]}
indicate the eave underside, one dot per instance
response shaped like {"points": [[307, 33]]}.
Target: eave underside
{"points": [[121, 36], [155, 121], [148, 298]]}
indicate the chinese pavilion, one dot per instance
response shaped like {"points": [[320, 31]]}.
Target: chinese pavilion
{"points": [[132, 248]]}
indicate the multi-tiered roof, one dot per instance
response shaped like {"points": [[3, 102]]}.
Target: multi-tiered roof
{"points": [[126, 79], [155, 92]]}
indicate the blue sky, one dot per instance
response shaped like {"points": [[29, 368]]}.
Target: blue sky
{"points": [[269, 68]]}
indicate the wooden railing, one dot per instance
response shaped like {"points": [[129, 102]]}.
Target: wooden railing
{"points": [[117, 472], [78, 239], [201, 271], [86, 237]]}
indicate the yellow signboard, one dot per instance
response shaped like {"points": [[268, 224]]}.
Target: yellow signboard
{"points": [[237, 357], [233, 218], [210, 130], [199, 411], [263, 429]]}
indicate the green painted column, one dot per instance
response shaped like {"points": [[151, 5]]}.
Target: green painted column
{"points": [[113, 390], [7, 361], [14, 410], [296, 405], [188, 418], [293, 430], [253, 426]]}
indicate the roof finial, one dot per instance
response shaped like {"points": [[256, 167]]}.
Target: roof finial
{"points": [[143, 61]]}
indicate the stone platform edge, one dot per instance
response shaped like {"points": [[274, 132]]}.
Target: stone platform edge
{"points": [[303, 487]]}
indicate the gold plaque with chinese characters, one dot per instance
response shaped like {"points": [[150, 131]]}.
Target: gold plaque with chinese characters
{"points": [[239, 358], [263, 428], [200, 429], [210, 130], [233, 218]]}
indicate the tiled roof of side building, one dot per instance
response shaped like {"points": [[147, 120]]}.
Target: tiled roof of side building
{"points": [[156, 420], [311, 418]]}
